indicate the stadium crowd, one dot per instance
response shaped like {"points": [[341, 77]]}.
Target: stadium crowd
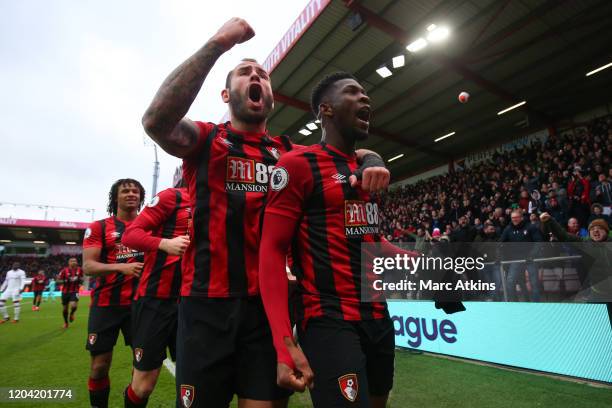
{"points": [[51, 264], [567, 176]]}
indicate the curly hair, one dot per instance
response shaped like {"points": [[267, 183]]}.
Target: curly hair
{"points": [[320, 90], [114, 192]]}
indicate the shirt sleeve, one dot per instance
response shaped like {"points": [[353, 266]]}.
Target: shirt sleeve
{"points": [[93, 236], [290, 184], [205, 130], [139, 235]]}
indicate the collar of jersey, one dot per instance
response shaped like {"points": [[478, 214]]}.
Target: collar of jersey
{"points": [[248, 137], [336, 152]]}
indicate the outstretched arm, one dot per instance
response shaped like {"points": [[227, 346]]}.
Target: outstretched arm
{"points": [[164, 121]]}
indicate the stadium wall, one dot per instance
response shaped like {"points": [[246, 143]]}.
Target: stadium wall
{"points": [[560, 338]]}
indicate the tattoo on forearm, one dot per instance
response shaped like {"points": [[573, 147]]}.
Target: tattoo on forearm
{"points": [[177, 93]]}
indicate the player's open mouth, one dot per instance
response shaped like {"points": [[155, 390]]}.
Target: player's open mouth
{"points": [[255, 92], [363, 114]]}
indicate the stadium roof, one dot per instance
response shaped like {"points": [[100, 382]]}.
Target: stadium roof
{"points": [[52, 232], [502, 52]]}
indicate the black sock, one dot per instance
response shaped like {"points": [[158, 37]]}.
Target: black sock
{"points": [[72, 311], [65, 313], [131, 400], [98, 392]]}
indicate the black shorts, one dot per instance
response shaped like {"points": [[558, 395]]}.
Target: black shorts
{"points": [[37, 293], [351, 360], [154, 326], [104, 325], [224, 347], [69, 297]]}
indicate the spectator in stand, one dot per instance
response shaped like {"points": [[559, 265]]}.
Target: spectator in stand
{"points": [[573, 228], [491, 272], [436, 235], [464, 232], [524, 200], [597, 213], [602, 193], [489, 188], [578, 190], [555, 210], [521, 232], [534, 220]]}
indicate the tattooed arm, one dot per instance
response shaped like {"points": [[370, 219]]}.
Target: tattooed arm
{"points": [[165, 121]]}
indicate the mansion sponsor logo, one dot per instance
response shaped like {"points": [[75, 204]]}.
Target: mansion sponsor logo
{"points": [[360, 218], [247, 175]]}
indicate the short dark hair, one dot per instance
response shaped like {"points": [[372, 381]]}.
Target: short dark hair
{"points": [[320, 89], [114, 192], [228, 78]]}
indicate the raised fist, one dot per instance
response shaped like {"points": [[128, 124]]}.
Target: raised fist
{"points": [[234, 31]]}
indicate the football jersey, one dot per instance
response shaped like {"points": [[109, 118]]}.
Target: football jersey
{"points": [[227, 178], [167, 216], [114, 289], [311, 185]]}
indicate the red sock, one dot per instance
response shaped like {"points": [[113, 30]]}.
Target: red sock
{"points": [[133, 397], [99, 391], [98, 385]]}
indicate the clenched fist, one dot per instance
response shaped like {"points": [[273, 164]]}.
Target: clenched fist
{"points": [[234, 31], [175, 246]]}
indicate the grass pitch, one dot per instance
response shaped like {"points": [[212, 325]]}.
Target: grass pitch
{"points": [[39, 353]]}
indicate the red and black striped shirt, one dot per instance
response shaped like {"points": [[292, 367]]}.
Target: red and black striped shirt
{"points": [[228, 181], [114, 289], [167, 216], [71, 278], [39, 282], [312, 185]]}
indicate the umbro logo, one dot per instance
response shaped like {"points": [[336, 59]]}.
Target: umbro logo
{"points": [[340, 178], [225, 141], [115, 234]]}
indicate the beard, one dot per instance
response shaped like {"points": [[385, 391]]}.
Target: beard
{"points": [[240, 111]]}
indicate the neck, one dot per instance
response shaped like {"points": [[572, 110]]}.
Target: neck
{"points": [[126, 215], [333, 137], [248, 127]]}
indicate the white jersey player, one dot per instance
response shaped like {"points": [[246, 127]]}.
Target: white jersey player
{"points": [[11, 288]]}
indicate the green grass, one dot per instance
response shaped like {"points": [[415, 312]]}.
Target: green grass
{"points": [[38, 353]]}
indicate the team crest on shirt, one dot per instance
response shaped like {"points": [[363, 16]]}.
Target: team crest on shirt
{"points": [[360, 218], [349, 387], [279, 179], [274, 152], [138, 354], [187, 395], [87, 233], [92, 338], [248, 175]]}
